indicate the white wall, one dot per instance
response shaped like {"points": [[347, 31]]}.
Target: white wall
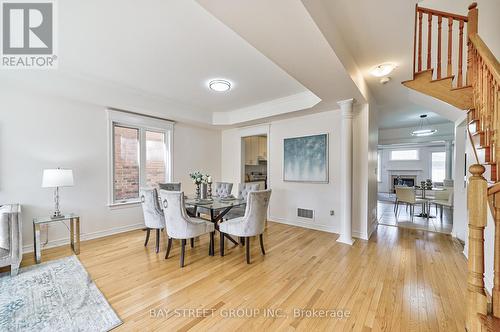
{"points": [[420, 168], [459, 186], [38, 132], [288, 196]]}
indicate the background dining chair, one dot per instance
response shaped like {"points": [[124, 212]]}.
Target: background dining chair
{"points": [[153, 215], [406, 195], [251, 224], [243, 190], [170, 186], [176, 186], [442, 199], [180, 226], [222, 189]]}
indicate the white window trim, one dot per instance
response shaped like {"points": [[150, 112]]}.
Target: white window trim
{"points": [[417, 158], [144, 123]]}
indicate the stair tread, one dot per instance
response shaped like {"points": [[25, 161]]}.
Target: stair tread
{"points": [[444, 78], [461, 87]]}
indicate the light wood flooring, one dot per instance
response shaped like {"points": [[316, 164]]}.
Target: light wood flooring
{"points": [[400, 280]]}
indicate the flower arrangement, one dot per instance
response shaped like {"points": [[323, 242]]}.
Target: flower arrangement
{"points": [[199, 178]]}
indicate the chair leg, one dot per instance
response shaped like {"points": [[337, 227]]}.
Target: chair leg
{"points": [[211, 248], [192, 242], [183, 251], [247, 240], [147, 237], [441, 213], [261, 238], [242, 240], [221, 244], [169, 246], [157, 241]]}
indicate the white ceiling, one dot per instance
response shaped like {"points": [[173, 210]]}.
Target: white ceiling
{"points": [[376, 32], [161, 49]]}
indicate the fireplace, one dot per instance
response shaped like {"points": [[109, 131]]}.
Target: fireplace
{"points": [[405, 180]]}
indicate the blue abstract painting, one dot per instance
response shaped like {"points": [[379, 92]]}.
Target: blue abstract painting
{"points": [[306, 159]]}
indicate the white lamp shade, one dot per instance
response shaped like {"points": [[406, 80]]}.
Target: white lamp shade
{"points": [[57, 178]]}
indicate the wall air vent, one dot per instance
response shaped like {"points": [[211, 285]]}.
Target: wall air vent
{"points": [[305, 213]]}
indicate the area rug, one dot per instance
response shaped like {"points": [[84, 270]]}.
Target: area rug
{"points": [[54, 296]]}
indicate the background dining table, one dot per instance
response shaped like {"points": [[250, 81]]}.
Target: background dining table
{"points": [[217, 207]]}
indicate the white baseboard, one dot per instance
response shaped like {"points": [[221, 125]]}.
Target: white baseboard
{"points": [[297, 223], [87, 236]]}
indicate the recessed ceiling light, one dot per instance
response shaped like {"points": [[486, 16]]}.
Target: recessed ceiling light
{"points": [[383, 69], [219, 85]]}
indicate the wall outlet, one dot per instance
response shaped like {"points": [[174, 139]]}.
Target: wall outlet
{"points": [[332, 212]]}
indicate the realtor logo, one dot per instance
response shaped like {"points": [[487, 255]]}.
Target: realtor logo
{"points": [[28, 34]]}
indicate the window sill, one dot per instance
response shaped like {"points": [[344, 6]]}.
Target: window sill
{"points": [[124, 205]]}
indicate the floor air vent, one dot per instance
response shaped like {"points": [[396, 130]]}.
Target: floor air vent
{"points": [[304, 213]]}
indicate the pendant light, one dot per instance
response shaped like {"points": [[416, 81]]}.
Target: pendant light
{"points": [[423, 128]]}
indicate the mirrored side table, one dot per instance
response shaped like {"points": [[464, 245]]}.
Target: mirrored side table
{"points": [[74, 232]]}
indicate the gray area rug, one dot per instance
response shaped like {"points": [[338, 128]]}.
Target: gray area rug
{"points": [[54, 296]]}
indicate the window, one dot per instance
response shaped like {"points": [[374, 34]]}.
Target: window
{"points": [[404, 155], [379, 167], [140, 154], [438, 160]]}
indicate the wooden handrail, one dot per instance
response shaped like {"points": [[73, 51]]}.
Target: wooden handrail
{"points": [[486, 55], [432, 58], [444, 14]]}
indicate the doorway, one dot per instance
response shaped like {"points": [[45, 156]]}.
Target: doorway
{"points": [[254, 160]]}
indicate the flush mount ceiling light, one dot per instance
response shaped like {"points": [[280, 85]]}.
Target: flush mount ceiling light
{"points": [[219, 85], [383, 69], [423, 128]]}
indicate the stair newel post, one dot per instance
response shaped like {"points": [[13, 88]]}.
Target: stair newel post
{"points": [[496, 265], [477, 202]]}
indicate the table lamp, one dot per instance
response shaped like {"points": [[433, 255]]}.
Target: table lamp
{"points": [[55, 178]]}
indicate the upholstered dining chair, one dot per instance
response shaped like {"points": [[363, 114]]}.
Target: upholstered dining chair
{"points": [[442, 199], [222, 189], [11, 248], [153, 215], [176, 186], [406, 195], [251, 224], [170, 186], [180, 226], [243, 190]]}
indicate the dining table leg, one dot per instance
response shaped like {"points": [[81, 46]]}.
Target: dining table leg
{"points": [[218, 218]]}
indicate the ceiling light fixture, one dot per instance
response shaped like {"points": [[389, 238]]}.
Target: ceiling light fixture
{"points": [[219, 85], [422, 130], [383, 69]]}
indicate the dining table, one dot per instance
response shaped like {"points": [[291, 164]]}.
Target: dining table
{"points": [[426, 211], [217, 208]]}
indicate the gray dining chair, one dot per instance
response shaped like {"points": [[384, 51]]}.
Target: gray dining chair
{"points": [[180, 226], [243, 190], [153, 214], [251, 224], [222, 189], [170, 186]]}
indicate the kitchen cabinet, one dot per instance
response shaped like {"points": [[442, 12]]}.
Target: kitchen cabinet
{"points": [[255, 149]]}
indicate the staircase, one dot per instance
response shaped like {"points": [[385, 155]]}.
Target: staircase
{"points": [[471, 84]]}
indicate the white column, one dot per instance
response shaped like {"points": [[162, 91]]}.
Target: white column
{"points": [[449, 157], [346, 106]]}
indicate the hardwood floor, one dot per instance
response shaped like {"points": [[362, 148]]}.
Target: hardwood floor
{"points": [[400, 280]]}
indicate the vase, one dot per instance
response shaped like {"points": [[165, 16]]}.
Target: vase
{"points": [[197, 190], [204, 191]]}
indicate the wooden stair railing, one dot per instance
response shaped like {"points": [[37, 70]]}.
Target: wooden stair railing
{"points": [[432, 21], [484, 120], [480, 96]]}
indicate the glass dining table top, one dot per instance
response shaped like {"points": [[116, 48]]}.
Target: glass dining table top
{"points": [[215, 203]]}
